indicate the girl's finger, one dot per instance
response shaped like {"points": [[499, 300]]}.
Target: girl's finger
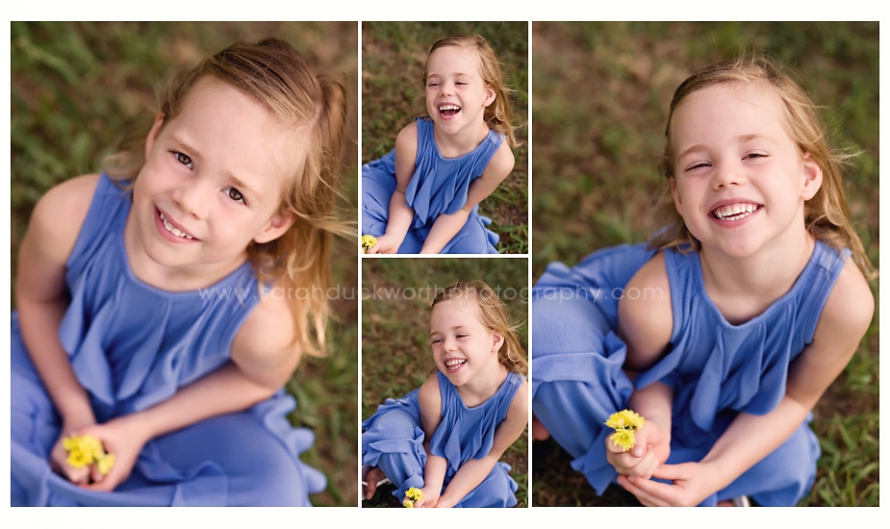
{"points": [[636, 487], [672, 472]]}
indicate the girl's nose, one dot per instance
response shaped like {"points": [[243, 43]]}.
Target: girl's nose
{"points": [[446, 88], [191, 196], [449, 344], [726, 175]]}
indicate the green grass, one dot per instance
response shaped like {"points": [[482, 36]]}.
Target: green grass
{"points": [[396, 355], [601, 93], [79, 88], [393, 59]]}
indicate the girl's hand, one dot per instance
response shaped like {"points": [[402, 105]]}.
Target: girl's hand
{"points": [[58, 459], [691, 485], [125, 440], [652, 449], [430, 499], [386, 244]]}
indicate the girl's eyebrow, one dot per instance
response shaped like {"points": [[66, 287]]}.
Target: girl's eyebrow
{"points": [[453, 328], [740, 139]]}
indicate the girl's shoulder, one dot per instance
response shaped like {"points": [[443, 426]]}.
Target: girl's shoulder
{"points": [[264, 347], [519, 405], [429, 393], [849, 309], [60, 213], [407, 137], [645, 316], [501, 163]]}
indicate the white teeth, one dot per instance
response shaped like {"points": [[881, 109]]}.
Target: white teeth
{"points": [[455, 363], [174, 230], [448, 107], [735, 211]]}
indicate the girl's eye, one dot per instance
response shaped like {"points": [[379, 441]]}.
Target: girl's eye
{"points": [[183, 158], [235, 195], [432, 84], [697, 166], [755, 155]]}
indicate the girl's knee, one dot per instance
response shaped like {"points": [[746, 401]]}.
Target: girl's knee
{"points": [[397, 424]]}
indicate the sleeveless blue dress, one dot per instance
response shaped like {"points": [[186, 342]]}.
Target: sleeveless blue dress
{"points": [[393, 440], [716, 369], [132, 346], [439, 186]]}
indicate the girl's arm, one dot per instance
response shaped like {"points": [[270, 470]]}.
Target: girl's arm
{"points": [[445, 227], [430, 402], [263, 359], [400, 214], [41, 301], [645, 323], [845, 318], [474, 471]]}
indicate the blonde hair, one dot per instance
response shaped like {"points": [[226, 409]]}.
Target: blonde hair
{"points": [[826, 215], [498, 114], [279, 78], [493, 316]]}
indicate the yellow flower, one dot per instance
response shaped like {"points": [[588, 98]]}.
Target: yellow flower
{"points": [[85, 450], [367, 242], [104, 463], [626, 420], [412, 495], [625, 439]]}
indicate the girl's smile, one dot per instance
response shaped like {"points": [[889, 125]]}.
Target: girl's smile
{"points": [[172, 231]]}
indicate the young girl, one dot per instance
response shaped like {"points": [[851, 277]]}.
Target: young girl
{"points": [[152, 306], [423, 197], [446, 437], [730, 330]]}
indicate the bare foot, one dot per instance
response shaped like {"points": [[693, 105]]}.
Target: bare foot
{"points": [[372, 479], [539, 431]]}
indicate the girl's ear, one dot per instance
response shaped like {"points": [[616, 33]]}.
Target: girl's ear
{"points": [[497, 341], [812, 174], [278, 224], [678, 203], [490, 96], [153, 134]]}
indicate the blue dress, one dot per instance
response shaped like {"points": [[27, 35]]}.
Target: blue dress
{"points": [[132, 346], [716, 369], [439, 186], [393, 440]]}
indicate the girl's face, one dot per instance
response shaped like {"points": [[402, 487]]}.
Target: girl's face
{"points": [[212, 181], [740, 180], [463, 348], [456, 95]]}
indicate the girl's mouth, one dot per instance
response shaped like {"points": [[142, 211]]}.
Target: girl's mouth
{"points": [[735, 212], [448, 110], [453, 365], [173, 230]]}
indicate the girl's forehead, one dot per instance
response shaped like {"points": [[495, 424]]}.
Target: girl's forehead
{"points": [[755, 107], [449, 58], [464, 307]]}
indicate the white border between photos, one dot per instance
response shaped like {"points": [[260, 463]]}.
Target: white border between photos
{"points": [[393, 10]]}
